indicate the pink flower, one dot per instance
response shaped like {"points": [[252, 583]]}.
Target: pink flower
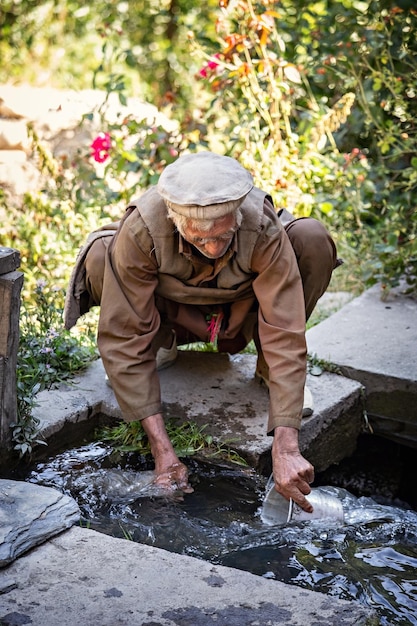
{"points": [[100, 147], [210, 65]]}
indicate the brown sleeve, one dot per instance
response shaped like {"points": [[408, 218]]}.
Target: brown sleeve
{"points": [[128, 323], [278, 289]]}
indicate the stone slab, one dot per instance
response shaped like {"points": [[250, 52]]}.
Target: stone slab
{"points": [[57, 109], [29, 515], [375, 343], [55, 115], [77, 404], [83, 577], [371, 338], [221, 393]]}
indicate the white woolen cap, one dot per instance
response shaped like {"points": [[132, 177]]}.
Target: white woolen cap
{"points": [[204, 185]]}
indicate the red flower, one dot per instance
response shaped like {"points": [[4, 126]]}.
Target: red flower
{"points": [[100, 147], [210, 65]]}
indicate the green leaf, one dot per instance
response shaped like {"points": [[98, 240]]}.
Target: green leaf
{"points": [[326, 207], [316, 370]]}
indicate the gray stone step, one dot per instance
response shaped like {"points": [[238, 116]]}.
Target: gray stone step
{"points": [[375, 343]]}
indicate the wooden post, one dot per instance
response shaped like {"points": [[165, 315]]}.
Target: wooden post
{"points": [[11, 282]]}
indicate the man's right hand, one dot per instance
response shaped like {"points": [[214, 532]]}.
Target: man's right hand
{"points": [[170, 473], [174, 478]]}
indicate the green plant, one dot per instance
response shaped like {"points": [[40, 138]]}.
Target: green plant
{"points": [[376, 59], [25, 432], [47, 355], [127, 534], [46, 351], [188, 439], [317, 366], [56, 44], [262, 110], [84, 523]]}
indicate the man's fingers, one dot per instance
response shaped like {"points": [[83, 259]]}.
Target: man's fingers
{"points": [[309, 476], [304, 488], [187, 489], [174, 478], [297, 492], [294, 485], [304, 503]]}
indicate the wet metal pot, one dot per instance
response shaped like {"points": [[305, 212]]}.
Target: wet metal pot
{"points": [[277, 510]]}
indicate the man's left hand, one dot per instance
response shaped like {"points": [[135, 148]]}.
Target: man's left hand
{"points": [[292, 472]]}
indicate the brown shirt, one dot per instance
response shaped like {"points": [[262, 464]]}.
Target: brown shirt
{"points": [[148, 261]]}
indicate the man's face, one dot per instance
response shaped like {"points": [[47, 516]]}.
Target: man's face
{"points": [[213, 243]]}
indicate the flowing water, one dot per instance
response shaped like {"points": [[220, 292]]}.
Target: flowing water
{"points": [[371, 557]]}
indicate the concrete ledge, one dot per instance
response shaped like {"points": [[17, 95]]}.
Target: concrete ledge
{"points": [[73, 409], [374, 342], [84, 577], [331, 433], [220, 392], [370, 336]]}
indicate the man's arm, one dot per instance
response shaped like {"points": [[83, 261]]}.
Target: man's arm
{"points": [[170, 472], [279, 291], [128, 323], [292, 472]]}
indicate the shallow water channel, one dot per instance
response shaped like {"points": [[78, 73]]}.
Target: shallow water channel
{"points": [[371, 557]]}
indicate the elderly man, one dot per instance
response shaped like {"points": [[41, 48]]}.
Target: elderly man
{"points": [[204, 256]]}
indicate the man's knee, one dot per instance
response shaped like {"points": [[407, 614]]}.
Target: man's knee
{"points": [[312, 242], [316, 257]]}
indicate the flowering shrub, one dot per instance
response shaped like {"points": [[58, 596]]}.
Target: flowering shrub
{"points": [[290, 101], [262, 110], [209, 67], [277, 87], [378, 58]]}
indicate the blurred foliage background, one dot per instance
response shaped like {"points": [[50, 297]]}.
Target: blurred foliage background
{"points": [[317, 99]]}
